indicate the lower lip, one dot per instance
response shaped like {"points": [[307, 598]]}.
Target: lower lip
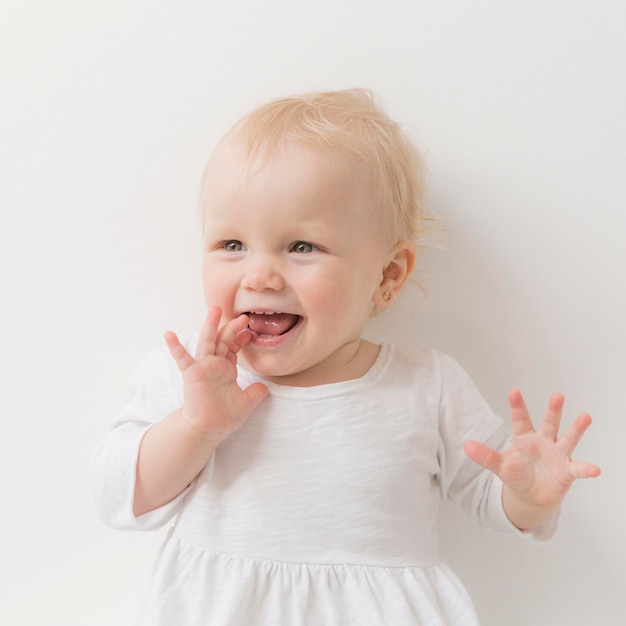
{"points": [[272, 341]]}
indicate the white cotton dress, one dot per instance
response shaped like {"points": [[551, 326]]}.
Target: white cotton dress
{"points": [[322, 509]]}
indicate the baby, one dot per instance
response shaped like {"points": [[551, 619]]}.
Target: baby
{"points": [[305, 464]]}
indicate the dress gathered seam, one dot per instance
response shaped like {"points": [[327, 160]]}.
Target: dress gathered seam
{"points": [[261, 560]]}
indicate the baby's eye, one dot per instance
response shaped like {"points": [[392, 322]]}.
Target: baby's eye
{"points": [[302, 247], [233, 245]]}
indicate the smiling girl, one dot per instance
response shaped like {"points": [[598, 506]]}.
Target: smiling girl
{"points": [[305, 464]]}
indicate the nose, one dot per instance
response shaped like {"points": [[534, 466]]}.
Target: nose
{"points": [[261, 273]]}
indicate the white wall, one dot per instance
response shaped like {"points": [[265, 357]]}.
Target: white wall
{"points": [[107, 113]]}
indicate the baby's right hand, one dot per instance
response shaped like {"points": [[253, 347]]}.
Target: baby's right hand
{"points": [[214, 405]]}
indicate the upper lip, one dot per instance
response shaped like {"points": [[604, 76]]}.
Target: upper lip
{"points": [[266, 311]]}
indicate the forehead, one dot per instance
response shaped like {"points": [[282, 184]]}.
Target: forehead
{"points": [[293, 170], [293, 191]]}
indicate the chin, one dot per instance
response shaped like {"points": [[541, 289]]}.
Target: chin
{"points": [[267, 366]]}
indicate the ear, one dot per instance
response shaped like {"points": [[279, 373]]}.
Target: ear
{"points": [[397, 271]]}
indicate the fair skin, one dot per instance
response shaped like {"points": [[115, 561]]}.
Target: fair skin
{"points": [[537, 470], [291, 273]]}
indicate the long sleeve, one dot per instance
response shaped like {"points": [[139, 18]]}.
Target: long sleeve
{"points": [[155, 390], [465, 415]]}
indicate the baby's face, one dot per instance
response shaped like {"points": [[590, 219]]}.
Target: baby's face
{"points": [[295, 246]]}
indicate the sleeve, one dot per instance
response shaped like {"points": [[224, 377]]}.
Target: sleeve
{"points": [[465, 415], [155, 391]]}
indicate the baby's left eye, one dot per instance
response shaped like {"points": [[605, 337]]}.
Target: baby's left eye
{"points": [[302, 247]]}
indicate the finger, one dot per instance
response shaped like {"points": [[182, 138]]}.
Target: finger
{"points": [[578, 469], [177, 350], [484, 456], [520, 418], [240, 341], [552, 417], [227, 338], [253, 396], [208, 333], [574, 433]]}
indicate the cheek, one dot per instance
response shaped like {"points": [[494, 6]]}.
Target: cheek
{"points": [[339, 295], [217, 286]]}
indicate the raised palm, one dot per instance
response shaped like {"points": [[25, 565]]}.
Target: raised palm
{"points": [[213, 403], [538, 465]]}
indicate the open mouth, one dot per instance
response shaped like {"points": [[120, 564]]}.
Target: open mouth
{"points": [[271, 324]]}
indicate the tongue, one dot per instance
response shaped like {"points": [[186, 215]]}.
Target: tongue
{"points": [[275, 324]]}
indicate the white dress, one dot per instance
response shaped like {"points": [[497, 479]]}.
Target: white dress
{"points": [[322, 509]]}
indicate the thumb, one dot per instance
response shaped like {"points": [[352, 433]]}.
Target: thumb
{"points": [[483, 455], [254, 395]]}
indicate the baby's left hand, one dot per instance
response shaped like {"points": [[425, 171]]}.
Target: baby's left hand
{"points": [[537, 469]]}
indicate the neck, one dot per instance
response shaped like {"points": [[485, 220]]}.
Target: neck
{"points": [[349, 363]]}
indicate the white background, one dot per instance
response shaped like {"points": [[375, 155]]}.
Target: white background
{"points": [[108, 112]]}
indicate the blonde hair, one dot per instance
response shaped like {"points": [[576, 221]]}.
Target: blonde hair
{"points": [[351, 124]]}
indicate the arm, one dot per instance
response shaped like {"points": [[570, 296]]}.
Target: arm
{"points": [[537, 470], [176, 449]]}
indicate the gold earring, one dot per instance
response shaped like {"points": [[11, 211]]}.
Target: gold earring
{"points": [[387, 296]]}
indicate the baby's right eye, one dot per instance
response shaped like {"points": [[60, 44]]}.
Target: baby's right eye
{"points": [[233, 245]]}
